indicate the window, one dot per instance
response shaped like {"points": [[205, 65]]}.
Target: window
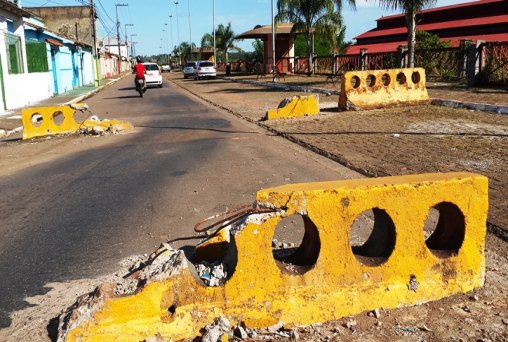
{"points": [[14, 55], [37, 57], [206, 64], [151, 67]]}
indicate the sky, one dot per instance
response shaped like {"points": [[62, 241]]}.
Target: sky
{"points": [[156, 32]]}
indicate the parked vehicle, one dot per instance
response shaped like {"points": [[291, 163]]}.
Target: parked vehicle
{"points": [[165, 68], [153, 75], [204, 69], [140, 86], [188, 69]]}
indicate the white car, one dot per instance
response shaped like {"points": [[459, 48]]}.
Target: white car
{"points": [[204, 69], [153, 75], [165, 67]]}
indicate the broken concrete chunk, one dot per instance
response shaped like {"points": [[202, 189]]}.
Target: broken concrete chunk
{"points": [[214, 331], [296, 106]]}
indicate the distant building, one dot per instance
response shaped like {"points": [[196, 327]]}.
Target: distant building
{"points": [[483, 20], [284, 48], [72, 22]]}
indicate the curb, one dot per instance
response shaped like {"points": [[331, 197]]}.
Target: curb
{"points": [[484, 107], [286, 86], [93, 92]]}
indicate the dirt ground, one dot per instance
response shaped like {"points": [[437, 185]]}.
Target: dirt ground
{"points": [[381, 142]]}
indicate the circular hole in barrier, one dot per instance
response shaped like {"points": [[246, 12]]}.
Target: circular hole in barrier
{"points": [[58, 118], [444, 229], [415, 77], [296, 244], [372, 237], [80, 116], [386, 79], [36, 119], [172, 310], [401, 78], [355, 82], [371, 81]]}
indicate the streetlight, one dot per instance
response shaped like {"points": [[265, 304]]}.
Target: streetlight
{"points": [[190, 32], [118, 36], [132, 46], [126, 41], [213, 31], [178, 32], [167, 42]]}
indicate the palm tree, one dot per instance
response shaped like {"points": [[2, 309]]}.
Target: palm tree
{"points": [[410, 7], [321, 17], [224, 37], [185, 50]]}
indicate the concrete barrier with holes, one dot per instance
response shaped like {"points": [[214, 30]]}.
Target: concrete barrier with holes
{"points": [[382, 88], [42, 121], [329, 277]]}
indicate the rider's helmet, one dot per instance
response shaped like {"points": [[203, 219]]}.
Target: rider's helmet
{"points": [[138, 60]]}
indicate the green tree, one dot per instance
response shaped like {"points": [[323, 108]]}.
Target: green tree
{"points": [[426, 40], [259, 49], [186, 51], [309, 17], [410, 7]]}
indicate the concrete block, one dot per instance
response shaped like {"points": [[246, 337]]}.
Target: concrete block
{"points": [[295, 107], [382, 88]]}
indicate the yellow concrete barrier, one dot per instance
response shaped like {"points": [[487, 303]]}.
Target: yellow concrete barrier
{"points": [[382, 88], [42, 121], [330, 278], [295, 107]]}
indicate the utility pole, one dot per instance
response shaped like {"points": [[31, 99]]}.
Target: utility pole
{"points": [[93, 34], [118, 37], [273, 44], [126, 41]]}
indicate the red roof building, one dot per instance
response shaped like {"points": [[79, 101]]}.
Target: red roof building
{"points": [[485, 20]]}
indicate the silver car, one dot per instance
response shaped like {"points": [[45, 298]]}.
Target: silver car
{"points": [[188, 69], [204, 69]]}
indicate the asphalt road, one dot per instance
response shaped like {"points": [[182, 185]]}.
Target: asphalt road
{"points": [[72, 207]]}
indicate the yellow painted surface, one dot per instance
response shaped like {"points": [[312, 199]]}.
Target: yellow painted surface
{"points": [[48, 126], [382, 88], [260, 294], [298, 106]]}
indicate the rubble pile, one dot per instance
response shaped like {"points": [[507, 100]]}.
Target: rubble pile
{"points": [[95, 126]]}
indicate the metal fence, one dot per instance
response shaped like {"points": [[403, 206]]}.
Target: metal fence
{"points": [[493, 64], [484, 64]]}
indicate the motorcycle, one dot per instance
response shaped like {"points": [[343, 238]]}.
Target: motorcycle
{"points": [[140, 86]]}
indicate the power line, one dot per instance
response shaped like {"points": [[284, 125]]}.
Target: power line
{"points": [[105, 12]]}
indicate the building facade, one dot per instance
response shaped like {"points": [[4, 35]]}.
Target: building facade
{"points": [[483, 20]]}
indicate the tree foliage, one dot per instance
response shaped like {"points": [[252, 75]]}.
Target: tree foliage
{"points": [[410, 7], [312, 17], [224, 41]]}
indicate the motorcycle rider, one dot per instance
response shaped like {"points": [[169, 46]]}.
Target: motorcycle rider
{"points": [[140, 71]]}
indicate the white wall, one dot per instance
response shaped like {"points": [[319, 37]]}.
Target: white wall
{"points": [[88, 75], [26, 89]]}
